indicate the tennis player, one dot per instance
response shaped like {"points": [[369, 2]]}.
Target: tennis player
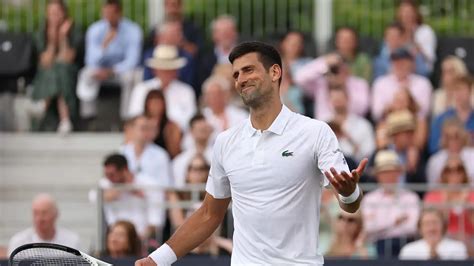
{"points": [[273, 166]]}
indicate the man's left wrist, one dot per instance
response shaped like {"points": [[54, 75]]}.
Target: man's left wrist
{"points": [[352, 197]]}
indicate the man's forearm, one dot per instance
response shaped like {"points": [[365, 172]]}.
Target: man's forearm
{"points": [[352, 207]]}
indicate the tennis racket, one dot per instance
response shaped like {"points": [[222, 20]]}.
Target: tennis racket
{"points": [[47, 254]]}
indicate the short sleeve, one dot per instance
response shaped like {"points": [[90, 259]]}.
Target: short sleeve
{"points": [[328, 153], [218, 183]]}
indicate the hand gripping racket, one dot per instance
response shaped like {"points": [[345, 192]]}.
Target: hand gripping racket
{"points": [[47, 254]]}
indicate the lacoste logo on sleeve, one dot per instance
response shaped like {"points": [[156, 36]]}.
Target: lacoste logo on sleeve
{"points": [[287, 153]]}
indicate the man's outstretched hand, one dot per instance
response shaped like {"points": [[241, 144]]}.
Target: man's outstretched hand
{"points": [[145, 262], [345, 183]]}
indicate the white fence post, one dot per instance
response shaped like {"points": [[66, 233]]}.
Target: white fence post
{"points": [[156, 12], [322, 30]]}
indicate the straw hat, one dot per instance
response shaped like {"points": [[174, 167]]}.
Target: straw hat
{"points": [[166, 57], [387, 160], [400, 121]]}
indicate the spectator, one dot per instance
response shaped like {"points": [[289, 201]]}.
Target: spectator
{"points": [[433, 244], [169, 134], [327, 72], [421, 36], [390, 212], [401, 77], [197, 142], [130, 204], [291, 95], [347, 46], [113, 49], [45, 214], [349, 238], [171, 33], [358, 131], [454, 142], [224, 37], [463, 110], [145, 157], [123, 241], [53, 85], [394, 39], [292, 51], [179, 96], [452, 68], [457, 194], [217, 111]]}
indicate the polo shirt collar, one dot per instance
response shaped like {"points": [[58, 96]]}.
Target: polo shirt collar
{"points": [[278, 125]]}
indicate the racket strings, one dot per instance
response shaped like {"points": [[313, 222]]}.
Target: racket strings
{"points": [[46, 256]]}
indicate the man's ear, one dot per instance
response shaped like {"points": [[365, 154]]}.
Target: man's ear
{"points": [[276, 72]]}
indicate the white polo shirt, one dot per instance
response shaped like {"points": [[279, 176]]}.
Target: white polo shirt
{"points": [[275, 179]]}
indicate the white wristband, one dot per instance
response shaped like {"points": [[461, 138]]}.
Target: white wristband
{"points": [[163, 256], [352, 197]]}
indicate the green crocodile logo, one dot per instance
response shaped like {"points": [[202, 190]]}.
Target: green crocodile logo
{"points": [[287, 153]]}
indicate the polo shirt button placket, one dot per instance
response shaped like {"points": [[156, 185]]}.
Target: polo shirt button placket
{"points": [[258, 150]]}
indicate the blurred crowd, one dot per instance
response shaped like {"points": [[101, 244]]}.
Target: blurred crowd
{"points": [[177, 95]]}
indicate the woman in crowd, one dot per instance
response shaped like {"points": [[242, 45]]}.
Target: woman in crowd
{"points": [[123, 241], [169, 134], [452, 68], [292, 51], [54, 83], [291, 95], [349, 238]]}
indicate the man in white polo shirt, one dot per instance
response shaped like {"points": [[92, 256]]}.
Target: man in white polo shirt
{"points": [[273, 166]]}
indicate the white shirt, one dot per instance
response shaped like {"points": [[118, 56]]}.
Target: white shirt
{"points": [[447, 249], [181, 162], [62, 237], [275, 180], [180, 100], [234, 116], [425, 38], [153, 162], [141, 212], [438, 160]]}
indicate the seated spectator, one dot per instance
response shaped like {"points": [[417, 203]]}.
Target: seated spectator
{"points": [[45, 214], [390, 212], [54, 83], [433, 245], [179, 96], [324, 73], [349, 238], [400, 77], [457, 194], [170, 33], [145, 157], [347, 46], [292, 51], [138, 206], [454, 142], [169, 134], [420, 35], [452, 68], [403, 100], [198, 142], [394, 39], [224, 37], [217, 110], [113, 49], [463, 110], [291, 95], [123, 241], [359, 134]]}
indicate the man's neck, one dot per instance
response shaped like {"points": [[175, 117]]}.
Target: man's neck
{"points": [[139, 147], [48, 235], [218, 111], [201, 146], [263, 117]]}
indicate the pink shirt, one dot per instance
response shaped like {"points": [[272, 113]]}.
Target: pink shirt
{"points": [[311, 79], [385, 87], [380, 211]]}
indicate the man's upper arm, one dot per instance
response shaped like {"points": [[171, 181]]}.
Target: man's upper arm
{"points": [[218, 184], [215, 207]]}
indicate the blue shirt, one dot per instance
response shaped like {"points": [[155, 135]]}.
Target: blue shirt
{"points": [[382, 64], [437, 127], [123, 52]]}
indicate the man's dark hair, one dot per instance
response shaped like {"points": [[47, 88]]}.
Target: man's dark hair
{"points": [[195, 118], [267, 54], [117, 160], [396, 25], [116, 3]]}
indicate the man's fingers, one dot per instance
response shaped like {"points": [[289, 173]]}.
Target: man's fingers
{"points": [[361, 167], [332, 180], [355, 176]]}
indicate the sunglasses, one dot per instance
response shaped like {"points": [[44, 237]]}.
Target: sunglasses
{"points": [[346, 219]]}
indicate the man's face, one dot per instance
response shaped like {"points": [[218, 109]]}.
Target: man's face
{"points": [[462, 95], [224, 33], [403, 140], [145, 130], [388, 177], [346, 41], [172, 34], [165, 76], [44, 216], [201, 130], [431, 227], [252, 81], [393, 38], [402, 67], [216, 98], [115, 175], [339, 101], [173, 8], [112, 14]]}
